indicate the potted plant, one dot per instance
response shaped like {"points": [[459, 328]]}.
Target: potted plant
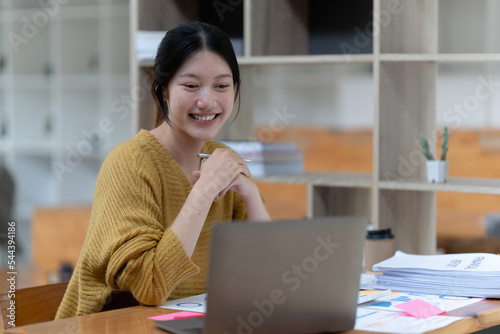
{"points": [[437, 170]]}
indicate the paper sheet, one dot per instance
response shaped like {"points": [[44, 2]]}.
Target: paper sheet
{"points": [[445, 303], [177, 315], [367, 281], [364, 297], [386, 318], [457, 265], [395, 322], [196, 303], [419, 309]]}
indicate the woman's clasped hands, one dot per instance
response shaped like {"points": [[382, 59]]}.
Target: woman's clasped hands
{"points": [[225, 170]]}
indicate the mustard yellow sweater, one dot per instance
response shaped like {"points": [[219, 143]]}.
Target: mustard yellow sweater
{"points": [[129, 246]]}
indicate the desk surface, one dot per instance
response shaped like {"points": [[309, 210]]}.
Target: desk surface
{"points": [[134, 320]]}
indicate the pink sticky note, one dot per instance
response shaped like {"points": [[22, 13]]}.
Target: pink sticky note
{"points": [[419, 309], [177, 315]]}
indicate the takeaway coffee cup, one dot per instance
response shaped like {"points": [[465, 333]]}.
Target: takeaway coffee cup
{"points": [[379, 246]]}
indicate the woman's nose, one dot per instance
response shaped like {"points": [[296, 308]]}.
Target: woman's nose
{"points": [[206, 100]]}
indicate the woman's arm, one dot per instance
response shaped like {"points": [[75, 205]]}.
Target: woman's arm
{"points": [[219, 173]]}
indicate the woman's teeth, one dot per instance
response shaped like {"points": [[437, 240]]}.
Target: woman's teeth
{"points": [[203, 118]]}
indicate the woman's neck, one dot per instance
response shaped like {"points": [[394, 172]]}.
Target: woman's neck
{"points": [[182, 150]]}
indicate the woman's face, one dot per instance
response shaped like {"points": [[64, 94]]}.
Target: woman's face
{"points": [[200, 96]]}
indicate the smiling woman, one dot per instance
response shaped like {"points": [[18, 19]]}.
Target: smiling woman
{"points": [[155, 201]]}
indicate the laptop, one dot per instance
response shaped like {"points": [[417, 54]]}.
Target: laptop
{"points": [[287, 276]]}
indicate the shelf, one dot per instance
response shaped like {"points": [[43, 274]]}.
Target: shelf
{"points": [[84, 56], [81, 114], [116, 10], [31, 57], [294, 60], [66, 81], [43, 147], [308, 59], [79, 81], [29, 81], [338, 179], [79, 12], [89, 11], [454, 184], [441, 58], [76, 150]]}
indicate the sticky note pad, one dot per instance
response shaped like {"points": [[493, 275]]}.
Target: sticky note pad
{"points": [[419, 309], [176, 315]]}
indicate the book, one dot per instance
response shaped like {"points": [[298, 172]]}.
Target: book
{"points": [[255, 146], [146, 44], [269, 158]]}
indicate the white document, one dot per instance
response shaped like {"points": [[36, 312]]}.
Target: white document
{"points": [[395, 322], [444, 289], [367, 281], [481, 282], [445, 303], [367, 297], [458, 265], [196, 303]]}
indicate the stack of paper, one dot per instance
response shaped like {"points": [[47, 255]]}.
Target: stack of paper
{"points": [[470, 275], [269, 158]]}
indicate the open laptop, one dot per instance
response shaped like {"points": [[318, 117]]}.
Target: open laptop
{"points": [[296, 276]]}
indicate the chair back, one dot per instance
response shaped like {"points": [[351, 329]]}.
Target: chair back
{"points": [[32, 305]]}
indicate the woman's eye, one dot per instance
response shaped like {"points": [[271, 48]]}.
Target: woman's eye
{"points": [[222, 86], [190, 86]]}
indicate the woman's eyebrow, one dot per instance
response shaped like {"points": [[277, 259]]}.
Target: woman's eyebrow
{"points": [[192, 75]]}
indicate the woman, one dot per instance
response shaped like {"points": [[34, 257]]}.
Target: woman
{"points": [[155, 201]]}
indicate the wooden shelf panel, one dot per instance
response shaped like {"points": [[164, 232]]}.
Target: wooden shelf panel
{"points": [[440, 58], [337, 179], [364, 180], [294, 60], [360, 59], [146, 63], [306, 59], [454, 184]]}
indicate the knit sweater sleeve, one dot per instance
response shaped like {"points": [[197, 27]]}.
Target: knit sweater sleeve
{"points": [[144, 257]]}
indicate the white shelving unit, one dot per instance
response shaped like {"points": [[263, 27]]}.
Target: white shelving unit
{"points": [[413, 52], [65, 72]]}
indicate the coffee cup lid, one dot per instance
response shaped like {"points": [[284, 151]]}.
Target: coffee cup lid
{"points": [[380, 234]]}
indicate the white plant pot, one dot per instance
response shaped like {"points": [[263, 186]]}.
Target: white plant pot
{"points": [[437, 171]]}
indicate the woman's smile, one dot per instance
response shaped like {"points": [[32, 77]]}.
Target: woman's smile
{"points": [[203, 118]]}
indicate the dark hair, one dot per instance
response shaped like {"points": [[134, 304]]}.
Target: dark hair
{"points": [[175, 49]]}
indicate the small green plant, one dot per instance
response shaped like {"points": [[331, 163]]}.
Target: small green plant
{"points": [[426, 151]]}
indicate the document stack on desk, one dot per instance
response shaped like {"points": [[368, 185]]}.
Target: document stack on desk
{"points": [[465, 275], [269, 158]]}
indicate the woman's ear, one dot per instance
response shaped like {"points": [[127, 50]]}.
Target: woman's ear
{"points": [[165, 93]]}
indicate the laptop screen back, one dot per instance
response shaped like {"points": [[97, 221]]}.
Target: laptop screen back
{"points": [[298, 276]]}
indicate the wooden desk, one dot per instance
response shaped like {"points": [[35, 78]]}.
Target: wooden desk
{"points": [[134, 320]]}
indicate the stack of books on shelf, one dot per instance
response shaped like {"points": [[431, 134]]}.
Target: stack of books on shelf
{"points": [[269, 158], [146, 44], [463, 275]]}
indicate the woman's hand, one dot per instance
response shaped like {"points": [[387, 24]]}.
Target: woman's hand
{"points": [[225, 170], [240, 184]]}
